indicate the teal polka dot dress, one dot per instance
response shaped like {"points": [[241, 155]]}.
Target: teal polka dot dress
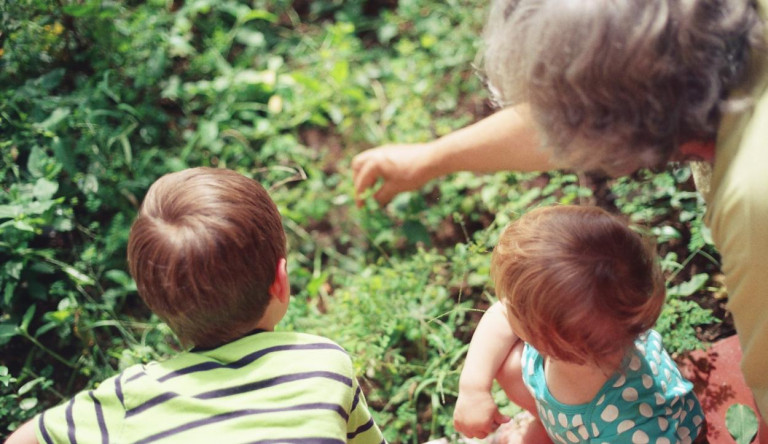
{"points": [[648, 403]]}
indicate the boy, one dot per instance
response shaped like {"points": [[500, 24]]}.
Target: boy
{"points": [[207, 251]]}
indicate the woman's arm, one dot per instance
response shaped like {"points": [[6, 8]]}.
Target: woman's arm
{"points": [[506, 140]]}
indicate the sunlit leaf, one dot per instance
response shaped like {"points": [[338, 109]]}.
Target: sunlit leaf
{"points": [[741, 422]]}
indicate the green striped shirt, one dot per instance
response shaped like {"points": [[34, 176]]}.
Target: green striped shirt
{"points": [[267, 387]]}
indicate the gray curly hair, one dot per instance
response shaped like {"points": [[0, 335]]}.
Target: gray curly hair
{"points": [[617, 85]]}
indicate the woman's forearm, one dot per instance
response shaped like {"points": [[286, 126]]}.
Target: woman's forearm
{"points": [[504, 141]]}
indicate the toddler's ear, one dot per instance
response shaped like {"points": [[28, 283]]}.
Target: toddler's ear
{"points": [[281, 287]]}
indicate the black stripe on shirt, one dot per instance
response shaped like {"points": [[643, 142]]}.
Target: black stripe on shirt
{"points": [[157, 400], [70, 421], [271, 382], [43, 430], [100, 418], [247, 359], [238, 414], [361, 429], [356, 400], [239, 389], [119, 389], [135, 377]]}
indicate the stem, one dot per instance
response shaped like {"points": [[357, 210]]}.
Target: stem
{"points": [[46, 349]]}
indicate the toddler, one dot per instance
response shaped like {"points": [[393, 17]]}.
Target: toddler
{"points": [[570, 339]]}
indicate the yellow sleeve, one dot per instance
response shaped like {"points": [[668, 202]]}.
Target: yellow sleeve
{"points": [[361, 429], [738, 218]]}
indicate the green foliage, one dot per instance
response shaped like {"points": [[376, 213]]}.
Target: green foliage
{"points": [[98, 98]]}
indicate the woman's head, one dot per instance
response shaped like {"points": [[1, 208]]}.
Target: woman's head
{"points": [[579, 283], [617, 85]]}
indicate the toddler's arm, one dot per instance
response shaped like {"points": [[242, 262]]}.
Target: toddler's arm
{"points": [[476, 414], [23, 435]]}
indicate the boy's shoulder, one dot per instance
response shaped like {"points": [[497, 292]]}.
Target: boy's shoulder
{"points": [[285, 340]]}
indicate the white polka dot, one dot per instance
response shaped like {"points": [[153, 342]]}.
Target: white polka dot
{"points": [[629, 394], [610, 413], [640, 437], [647, 381], [664, 386], [682, 416], [697, 419], [646, 410], [666, 374], [562, 419], [677, 414], [634, 363], [686, 440], [690, 404], [676, 398], [600, 401], [550, 417], [577, 421], [595, 432], [560, 438], [625, 425], [659, 399], [662, 440], [682, 432], [654, 369], [667, 411], [583, 432], [571, 437], [663, 423], [619, 382]]}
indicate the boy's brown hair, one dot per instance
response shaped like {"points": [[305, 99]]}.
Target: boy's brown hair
{"points": [[579, 282], [203, 250]]}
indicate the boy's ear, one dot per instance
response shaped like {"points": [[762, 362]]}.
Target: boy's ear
{"points": [[281, 288]]}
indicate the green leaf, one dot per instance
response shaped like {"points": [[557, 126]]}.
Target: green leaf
{"points": [[689, 287], [27, 318], [37, 161], [415, 231], [741, 422], [10, 211], [260, 14], [45, 189], [7, 331], [250, 38], [120, 277], [10, 287], [24, 389], [28, 403], [13, 268], [54, 119], [78, 276]]}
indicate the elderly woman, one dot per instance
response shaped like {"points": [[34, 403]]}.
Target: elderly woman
{"points": [[615, 86]]}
